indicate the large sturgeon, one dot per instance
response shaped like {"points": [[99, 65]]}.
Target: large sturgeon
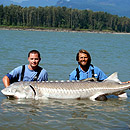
{"points": [[67, 89]]}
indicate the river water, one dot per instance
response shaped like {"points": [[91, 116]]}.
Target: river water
{"points": [[110, 52]]}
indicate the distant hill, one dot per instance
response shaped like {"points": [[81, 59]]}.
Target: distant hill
{"points": [[39, 3], [27, 3], [116, 7]]}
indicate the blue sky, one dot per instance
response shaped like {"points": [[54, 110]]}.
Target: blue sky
{"points": [[19, 1]]}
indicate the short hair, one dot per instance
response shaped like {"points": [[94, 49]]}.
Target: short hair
{"points": [[85, 52], [34, 52]]}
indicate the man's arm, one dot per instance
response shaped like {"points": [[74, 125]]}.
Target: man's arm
{"points": [[6, 81]]}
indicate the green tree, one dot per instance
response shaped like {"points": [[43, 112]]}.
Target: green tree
{"points": [[1, 14]]}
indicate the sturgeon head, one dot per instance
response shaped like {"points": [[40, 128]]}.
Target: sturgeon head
{"points": [[19, 90]]}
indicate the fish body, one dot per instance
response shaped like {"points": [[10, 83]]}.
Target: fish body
{"points": [[67, 89]]}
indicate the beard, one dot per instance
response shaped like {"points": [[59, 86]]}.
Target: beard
{"points": [[85, 67]]}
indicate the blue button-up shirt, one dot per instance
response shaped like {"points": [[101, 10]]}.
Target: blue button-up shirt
{"points": [[98, 73], [15, 75]]}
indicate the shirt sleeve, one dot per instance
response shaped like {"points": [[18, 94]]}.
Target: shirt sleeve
{"points": [[14, 74], [100, 75], [43, 75], [72, 75]]}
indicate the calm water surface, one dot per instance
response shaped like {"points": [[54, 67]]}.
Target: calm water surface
{"points": [[110, 52]]}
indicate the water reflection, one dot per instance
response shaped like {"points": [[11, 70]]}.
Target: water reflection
{"points": [[33, 106], [72, 114], [18, 106]]}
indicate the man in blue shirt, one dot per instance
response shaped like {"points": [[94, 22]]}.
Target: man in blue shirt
{"points": [[30, 72], [86, 69]]}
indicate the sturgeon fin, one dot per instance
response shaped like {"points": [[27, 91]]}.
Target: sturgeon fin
{"points": [[113, 77], [94, 97], [123, 95]]}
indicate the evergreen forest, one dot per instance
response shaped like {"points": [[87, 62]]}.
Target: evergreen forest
{"points": [[62, 17]]}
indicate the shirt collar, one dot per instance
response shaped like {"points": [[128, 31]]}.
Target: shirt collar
{"points": [[90, 69]]}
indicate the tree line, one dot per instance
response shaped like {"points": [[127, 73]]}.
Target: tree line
{"points": [[62, 17]]}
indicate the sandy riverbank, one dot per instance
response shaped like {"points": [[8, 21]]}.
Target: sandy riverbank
{"points": [[58, 30]]}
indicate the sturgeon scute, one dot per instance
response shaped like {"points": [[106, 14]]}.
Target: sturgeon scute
{"points": [[67, 89]]}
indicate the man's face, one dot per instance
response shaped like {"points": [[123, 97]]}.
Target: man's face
{"points": [[83, 59], [33, 60]]}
